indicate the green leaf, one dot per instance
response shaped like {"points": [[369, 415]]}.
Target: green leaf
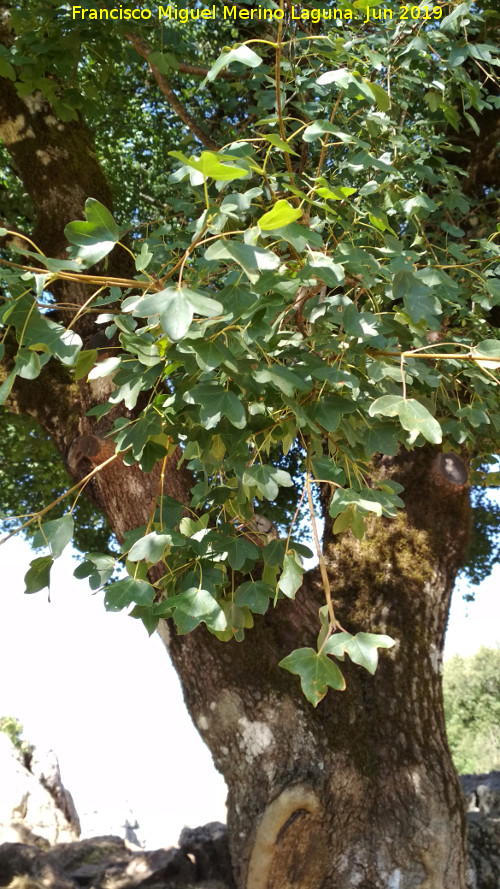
{"points": [[344, 520], [458, 54], [57, 534], [27, 364], [281, 214], [165, 62], [7, 386], [210, 355], [237, 620], [106, 367], [210, 166], [274, 553], [357, 524], [337, 643], [237, 205], [316, 672], [255, 595], [6, 70], [203, 305], [291, 577], [242, 54], [324, 468], [328, 412], [98, 567], [248, 257], [281, 144], [40, 334], [318, 129], [197, 606], [413, 416], [147, 614], [150, 547], [489, 349], [217, 403], [97, 236], [84, 363], [238, 550], [381, 438], [38, 575], [362, 648], [267, 479], [177, 315], [122, 593], [366, 500], [450, 23], [332, 273], [345, 80], [143, 259], [288, 381], [380, 95], [341, 76]]}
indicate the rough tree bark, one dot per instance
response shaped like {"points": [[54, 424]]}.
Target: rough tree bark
{"points": [[362, 791]]}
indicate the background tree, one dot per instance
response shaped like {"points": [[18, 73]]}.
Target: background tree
{"points": [[318, 279], [11, 727], [471, 690]]}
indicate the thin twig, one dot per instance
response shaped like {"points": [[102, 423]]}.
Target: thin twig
{"points": [[46, 509]]}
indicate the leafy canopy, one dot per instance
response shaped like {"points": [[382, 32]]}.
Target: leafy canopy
{"points": [[328, 285]]}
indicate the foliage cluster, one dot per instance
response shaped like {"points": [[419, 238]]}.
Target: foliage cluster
{"points": [[329, 288], [32, 472], [471, 689], [11, 727]]}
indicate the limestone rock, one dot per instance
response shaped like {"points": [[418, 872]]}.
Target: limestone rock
{"points": [[27, 867], [34, 804], [482, 793], [209, 848], [107, 863], [484, 851]]}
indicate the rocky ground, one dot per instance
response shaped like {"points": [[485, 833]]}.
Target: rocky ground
{"points": [[39, 845], [201, 860]]}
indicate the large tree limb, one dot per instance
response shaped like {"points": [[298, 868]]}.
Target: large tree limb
{"points": [[144, 50]]}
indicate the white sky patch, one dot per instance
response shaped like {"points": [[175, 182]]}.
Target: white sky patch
{"points": [[104, 696]]}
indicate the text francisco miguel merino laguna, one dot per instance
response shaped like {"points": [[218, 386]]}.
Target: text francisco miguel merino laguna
{"points": [[183, 14]]}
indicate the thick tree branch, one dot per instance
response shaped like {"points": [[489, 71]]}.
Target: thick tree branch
{"points": [[144, 50], [200, 71]]}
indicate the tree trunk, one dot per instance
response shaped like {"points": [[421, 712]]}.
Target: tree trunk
{"points": [[360, 792]]}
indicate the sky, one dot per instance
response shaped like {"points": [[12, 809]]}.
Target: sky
{"points": [[96, 689]]}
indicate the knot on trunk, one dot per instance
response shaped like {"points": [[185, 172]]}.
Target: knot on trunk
{"points": [[450, 473], [88, 447]]}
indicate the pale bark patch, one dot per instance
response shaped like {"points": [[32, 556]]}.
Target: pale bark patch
{"points": [[44, 157], [256, 737], [15, 130], [163, 631]]}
